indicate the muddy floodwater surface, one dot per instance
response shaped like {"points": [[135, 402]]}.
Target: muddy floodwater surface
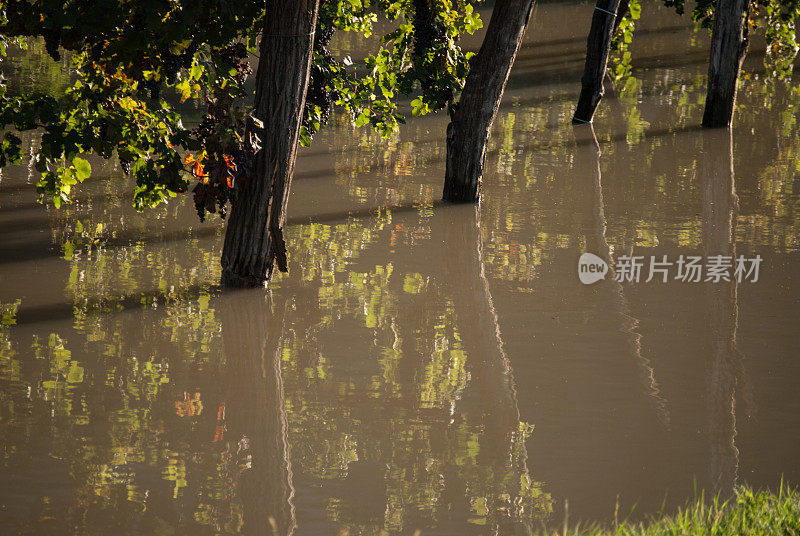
{"points": [[422, 366]]}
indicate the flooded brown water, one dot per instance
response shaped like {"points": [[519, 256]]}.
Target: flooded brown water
{"points": [[421, 366]]}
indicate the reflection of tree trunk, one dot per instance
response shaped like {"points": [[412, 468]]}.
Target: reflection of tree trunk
{"points": [[587, 167], [605, 22], [720, 209], [255, 414], [411, 368], [478, 326], [490, 369]]}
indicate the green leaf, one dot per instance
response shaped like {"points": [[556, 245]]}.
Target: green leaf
{"points": [[419, 107], [636, 10], [196, 72], [305, 139], [82, 168]]}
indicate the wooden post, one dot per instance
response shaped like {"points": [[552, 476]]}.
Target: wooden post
{"points": [[605, 22]]}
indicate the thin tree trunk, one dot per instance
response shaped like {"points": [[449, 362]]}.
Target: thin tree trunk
{"points": [[728, 48], [254, 237], [468, 132], [605, 22], [622, 10]]}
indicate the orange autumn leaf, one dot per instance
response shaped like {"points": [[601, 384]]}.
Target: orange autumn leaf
{"points": [[219, 433], [199, 170], [229, 162]]}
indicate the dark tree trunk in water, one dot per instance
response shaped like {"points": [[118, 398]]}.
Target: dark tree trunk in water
{"points": [[468, 132], [598, 46], [728, 47], [254, 237]]}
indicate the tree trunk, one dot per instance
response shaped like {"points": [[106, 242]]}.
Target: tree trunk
{"points": [[598, 45], [728, 47], [254, 237], [468, 132]]}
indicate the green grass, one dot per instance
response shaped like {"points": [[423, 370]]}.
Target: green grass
{"points": [[747, 512]]}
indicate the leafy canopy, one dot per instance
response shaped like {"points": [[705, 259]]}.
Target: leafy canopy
{"points": [[137, 61]]}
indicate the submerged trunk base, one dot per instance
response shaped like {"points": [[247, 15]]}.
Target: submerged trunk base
{"points": [[604, 24], [231, 279], [463, 173], [728, 48], [468, 132]]}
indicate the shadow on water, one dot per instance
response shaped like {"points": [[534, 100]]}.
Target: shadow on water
{"points": [[536, 147], [16, 254], [111, 303], [123, 239], [105, 197], [581, 40]]}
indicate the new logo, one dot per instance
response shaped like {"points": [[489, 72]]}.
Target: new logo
{"points": [[591, 268]]}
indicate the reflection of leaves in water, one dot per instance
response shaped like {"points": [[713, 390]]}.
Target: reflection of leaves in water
{"points": [[139, 374], [8, 313], [328, 431], [31, 70], [10, 368]]}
